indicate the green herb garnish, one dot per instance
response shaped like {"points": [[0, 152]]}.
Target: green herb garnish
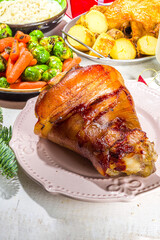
{"points": [[8, 163]]}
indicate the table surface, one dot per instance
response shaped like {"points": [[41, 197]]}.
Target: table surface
{"points": [[27, 211]]}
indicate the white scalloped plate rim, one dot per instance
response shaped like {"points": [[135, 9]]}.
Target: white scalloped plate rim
{"points": [[58, 180]]}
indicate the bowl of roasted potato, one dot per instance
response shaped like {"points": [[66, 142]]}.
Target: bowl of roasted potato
{"points": [[118, 45]]}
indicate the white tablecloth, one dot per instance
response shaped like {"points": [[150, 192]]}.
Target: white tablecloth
{"points": [[28, 212]]}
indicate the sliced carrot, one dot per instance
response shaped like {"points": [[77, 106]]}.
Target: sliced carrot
{"points": [[53, 81], [18, 80], [5, 42], [23, 61], [5, 55], [70, 62], [22, 37], [23, 49], [10, 65], [14, 54], [28, 85], [33, 62], [22, 45]]}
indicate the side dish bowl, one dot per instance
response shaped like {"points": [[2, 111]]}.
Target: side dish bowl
{"points": [[106, 60], [18, 96], [45, 25]]}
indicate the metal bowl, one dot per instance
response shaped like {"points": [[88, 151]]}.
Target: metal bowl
{"points": [[101, 60]]}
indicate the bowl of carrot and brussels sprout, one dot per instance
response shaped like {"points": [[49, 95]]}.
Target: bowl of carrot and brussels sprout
{"points": [[29, 61]]}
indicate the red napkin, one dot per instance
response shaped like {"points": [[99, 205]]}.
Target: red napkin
{"points": [[140, 79], [76, 8]]}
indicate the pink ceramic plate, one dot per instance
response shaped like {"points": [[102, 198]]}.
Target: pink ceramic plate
{"points": [[61, 171]]}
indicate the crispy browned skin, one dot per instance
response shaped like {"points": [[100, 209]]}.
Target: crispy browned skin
{"points": [[142, 15], [91, 112]]}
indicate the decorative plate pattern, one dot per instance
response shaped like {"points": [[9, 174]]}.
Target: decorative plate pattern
{"points": [[61, 171]]}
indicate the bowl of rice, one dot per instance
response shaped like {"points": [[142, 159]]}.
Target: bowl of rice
{"points": [[26, 15]]}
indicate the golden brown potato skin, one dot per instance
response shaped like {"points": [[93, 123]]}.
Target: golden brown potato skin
{"points": [[103, 44], [83, 34], [91, 112]]}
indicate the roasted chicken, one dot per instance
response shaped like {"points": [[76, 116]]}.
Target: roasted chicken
{"points": [[91, 112], [142, 16]]}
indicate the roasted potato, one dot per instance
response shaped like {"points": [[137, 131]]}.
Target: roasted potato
{"points": [[96, 21], [123, 49], [82, 34], [147, 45], [103, 45], [115, 33], [81, 20]]}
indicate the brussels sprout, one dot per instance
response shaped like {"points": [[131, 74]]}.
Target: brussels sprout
{"points": [[40, 53], [32, 45], [42, 68], [31, 74], [37, 33], [62, 51], [50, 73], [57, 38], [5, 31], [33, 42], [33, 39], [47, 43], [3, 64], [55, 62], [3, 82]]}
